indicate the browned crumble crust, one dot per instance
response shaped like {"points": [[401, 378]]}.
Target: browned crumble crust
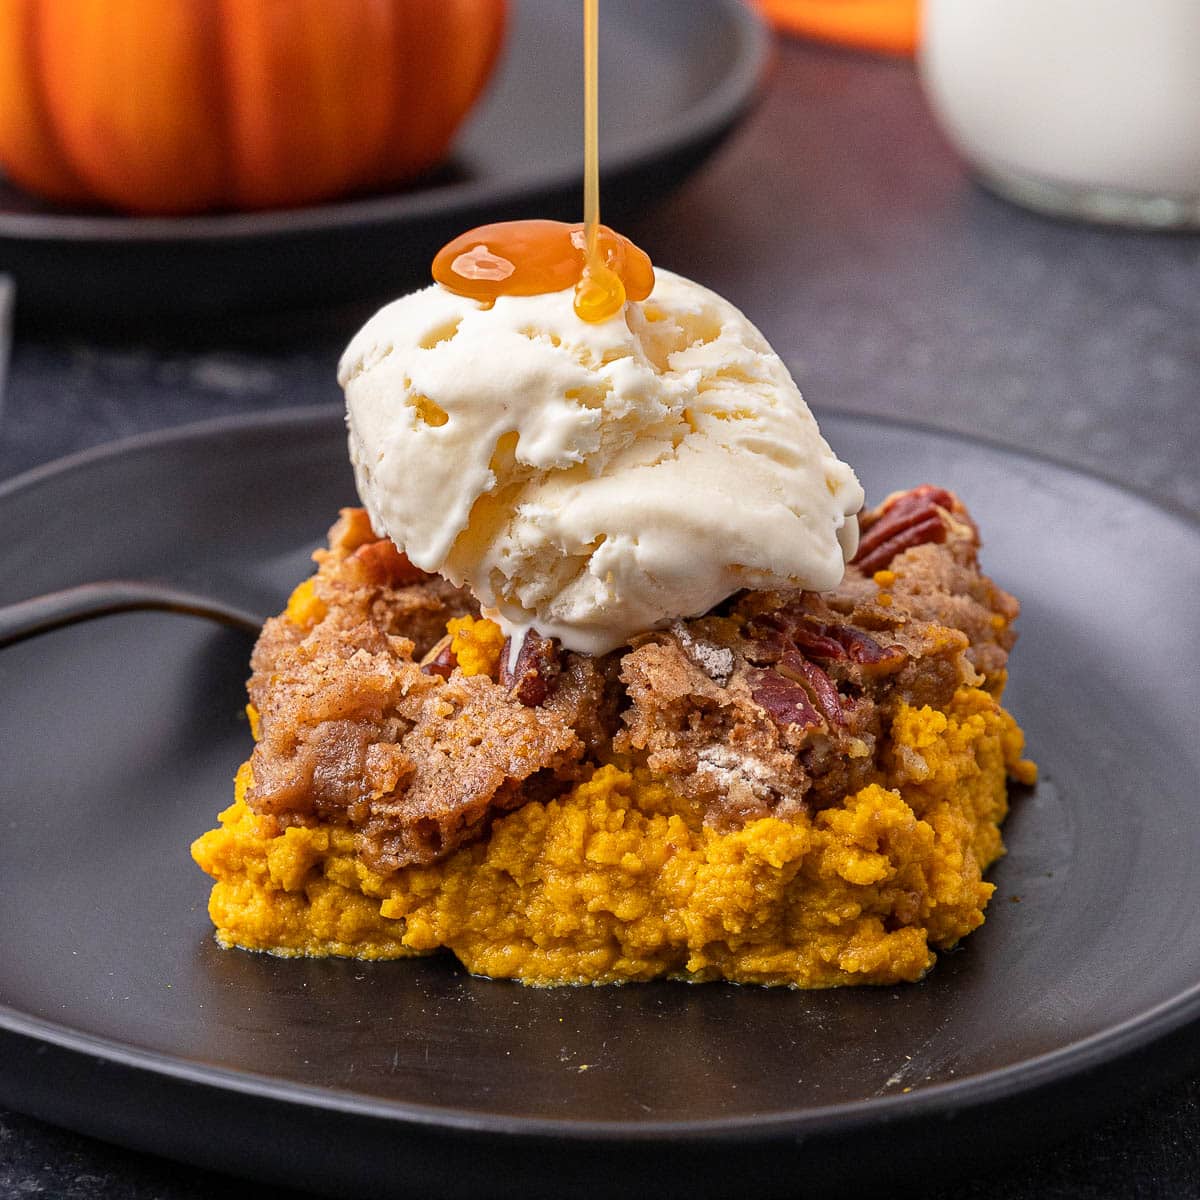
{"points": [[776, 704]]}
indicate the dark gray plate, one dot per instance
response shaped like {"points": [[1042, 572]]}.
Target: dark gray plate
{"points": [[121, 1018], [675, 76]]}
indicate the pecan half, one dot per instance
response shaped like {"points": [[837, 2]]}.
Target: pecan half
{"points": [[536, 672], [784, 700], [820, 688], [908, 519]]}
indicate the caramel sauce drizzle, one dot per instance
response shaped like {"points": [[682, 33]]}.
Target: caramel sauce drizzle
{"points": [[529, 258]]}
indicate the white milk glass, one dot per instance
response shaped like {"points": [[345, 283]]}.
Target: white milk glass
{"points": [[1088, 108]]}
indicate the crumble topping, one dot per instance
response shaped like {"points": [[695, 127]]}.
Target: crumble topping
{"points": [[777, 703]]}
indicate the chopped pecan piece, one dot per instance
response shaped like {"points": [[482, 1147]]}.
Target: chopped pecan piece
{"points": [[536, 672], [771, 636], [909, 519], [867, 652], [814, 639], [352, 529], [834, 642], [441, 659], [784, 700], [385, 566], [767, 638], [820, 687]]}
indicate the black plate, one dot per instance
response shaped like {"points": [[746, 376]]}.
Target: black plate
{"points": [[124, 1020], [675, 76]]}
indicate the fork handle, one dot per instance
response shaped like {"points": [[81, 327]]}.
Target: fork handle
{"points": [[40, 614]]}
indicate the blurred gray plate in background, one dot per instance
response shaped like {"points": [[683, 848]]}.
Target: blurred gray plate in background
{"points": [[675, 76]]}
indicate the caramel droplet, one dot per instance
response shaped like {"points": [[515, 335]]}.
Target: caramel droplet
{"points": [[600, 293], [530, 258]]}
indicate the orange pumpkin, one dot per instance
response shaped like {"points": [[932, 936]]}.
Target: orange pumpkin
{"points": [[889, 26], [177, 106]]}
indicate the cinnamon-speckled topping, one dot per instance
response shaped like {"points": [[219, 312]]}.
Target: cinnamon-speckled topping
{"points": [[775, 703]]}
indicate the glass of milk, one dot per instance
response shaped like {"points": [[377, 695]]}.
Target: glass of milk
{"points": [[1085, 108]]}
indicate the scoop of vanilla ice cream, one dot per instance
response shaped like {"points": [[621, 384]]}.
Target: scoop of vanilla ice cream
{"points": [[593, 481]]}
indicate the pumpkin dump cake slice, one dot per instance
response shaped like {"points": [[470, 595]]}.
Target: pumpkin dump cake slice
{"points": [[587, 691], [795, 788]]}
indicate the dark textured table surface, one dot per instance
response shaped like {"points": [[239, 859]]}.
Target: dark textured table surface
{"points": [[847, 230]]}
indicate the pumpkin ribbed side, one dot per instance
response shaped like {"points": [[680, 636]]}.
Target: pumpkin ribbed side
{"points": [[176, 106], [337, 77], [29, 148], [469, 32], [135, 100]]}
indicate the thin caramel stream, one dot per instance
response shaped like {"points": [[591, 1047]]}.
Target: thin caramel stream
{"points": [[529, 258], [601, 291]]}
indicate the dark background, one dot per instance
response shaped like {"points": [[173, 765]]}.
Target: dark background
{"points": [[838, 219]]}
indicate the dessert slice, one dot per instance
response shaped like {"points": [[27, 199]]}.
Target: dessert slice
{"points": [[795, 788]]}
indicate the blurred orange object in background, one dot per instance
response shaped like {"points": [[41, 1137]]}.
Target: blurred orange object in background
{"points": [[178, 106], [889, 26]]}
